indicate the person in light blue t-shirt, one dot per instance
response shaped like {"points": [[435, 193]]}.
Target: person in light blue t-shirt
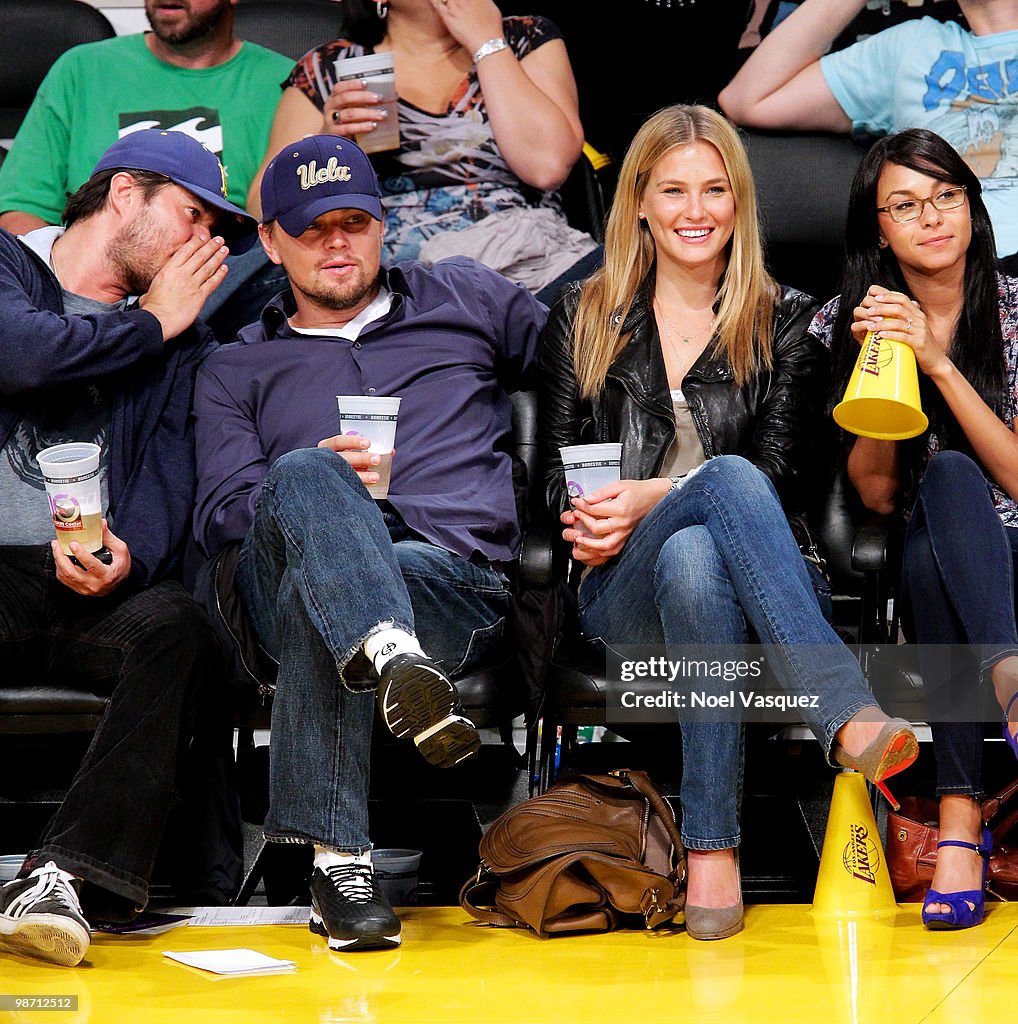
{"points": [[961, 83]]}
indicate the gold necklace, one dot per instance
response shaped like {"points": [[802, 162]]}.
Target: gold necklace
{"points": [[686, 339]]}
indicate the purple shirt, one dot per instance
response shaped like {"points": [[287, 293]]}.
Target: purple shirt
{"points": [[458, 338]]}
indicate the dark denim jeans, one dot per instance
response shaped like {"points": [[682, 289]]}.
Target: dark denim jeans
{"points": [[251, 280], [150, 651], [321, 569], [957, 587], [712, 562], [579, 271]]}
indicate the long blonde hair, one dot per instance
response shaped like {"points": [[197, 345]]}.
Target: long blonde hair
{"points": [[747, 293]]}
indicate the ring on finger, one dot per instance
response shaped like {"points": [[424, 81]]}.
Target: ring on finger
{"points": [[908, 326], [337, 116]]}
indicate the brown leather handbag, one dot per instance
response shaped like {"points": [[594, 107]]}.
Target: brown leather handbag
{"points": [[913, 834], [593, 853]]}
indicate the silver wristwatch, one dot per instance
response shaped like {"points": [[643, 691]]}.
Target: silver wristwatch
{"points": [[488, 48], [676, 482]]}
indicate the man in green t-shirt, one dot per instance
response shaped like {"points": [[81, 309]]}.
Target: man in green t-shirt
{"points": [[189, 74]]}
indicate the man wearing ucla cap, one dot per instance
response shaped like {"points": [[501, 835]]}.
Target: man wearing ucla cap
{"points": [[100, 344], [393, 596]]}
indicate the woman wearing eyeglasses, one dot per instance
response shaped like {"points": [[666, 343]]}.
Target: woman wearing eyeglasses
{"points": [[685, 350], [921, 269]]}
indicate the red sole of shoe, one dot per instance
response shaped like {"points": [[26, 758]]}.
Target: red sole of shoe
{"points": [[901, 752]]}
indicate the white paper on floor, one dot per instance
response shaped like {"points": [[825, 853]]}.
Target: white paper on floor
{"points": [[234, 962], [243, 916]]}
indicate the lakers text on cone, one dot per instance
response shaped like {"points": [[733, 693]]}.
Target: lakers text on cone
{"points": [[853, 879], [882, 397]]}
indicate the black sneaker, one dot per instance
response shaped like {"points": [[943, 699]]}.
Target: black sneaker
{"points": [[350, 910], [417, 699], [40, 916]]}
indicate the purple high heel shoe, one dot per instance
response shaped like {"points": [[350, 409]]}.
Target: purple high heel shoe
{"points": [[961, 915], [1012, 741]]}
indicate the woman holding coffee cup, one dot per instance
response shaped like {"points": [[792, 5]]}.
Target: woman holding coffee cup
{"points": [[685, 350], [921, 269], [488, 124]]}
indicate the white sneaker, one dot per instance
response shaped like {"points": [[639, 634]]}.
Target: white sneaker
{"points": [[40, 916]]}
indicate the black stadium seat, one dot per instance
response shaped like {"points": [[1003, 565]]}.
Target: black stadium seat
{"points": [[290, 27], [34, 35]]}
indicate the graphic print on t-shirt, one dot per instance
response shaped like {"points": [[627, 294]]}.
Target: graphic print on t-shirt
{"points": [[977, 112], [201, 123], [71, 414], [81, 415]]}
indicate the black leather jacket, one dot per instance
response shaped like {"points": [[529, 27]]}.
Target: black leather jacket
{"points": [[774, 420]]}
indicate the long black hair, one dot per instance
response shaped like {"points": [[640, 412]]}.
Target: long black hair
{"points": [[977, 348], [361, 23]]}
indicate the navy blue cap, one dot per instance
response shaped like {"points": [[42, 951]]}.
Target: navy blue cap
{"points": [[188, 163], [314, 176]]}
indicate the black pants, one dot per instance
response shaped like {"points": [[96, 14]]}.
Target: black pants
{"points": [[149, 651]]}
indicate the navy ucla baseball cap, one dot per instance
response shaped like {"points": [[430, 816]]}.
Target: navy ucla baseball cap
{"points": [[187, 163], [314, 176]]}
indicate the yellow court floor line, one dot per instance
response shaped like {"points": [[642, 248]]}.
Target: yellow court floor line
{"points": [[787, 966]]}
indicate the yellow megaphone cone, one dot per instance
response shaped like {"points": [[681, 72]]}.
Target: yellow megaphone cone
{"points": [[853, 879], [882, 397]]}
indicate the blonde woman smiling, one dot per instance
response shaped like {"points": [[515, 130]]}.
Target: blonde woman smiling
{"points": [[685, 350]]}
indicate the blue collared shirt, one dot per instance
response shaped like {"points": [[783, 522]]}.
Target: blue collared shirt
{"points": [[457, 339]]}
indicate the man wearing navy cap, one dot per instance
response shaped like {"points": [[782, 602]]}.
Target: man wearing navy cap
{"points": [[100, 344], [348, 593]]}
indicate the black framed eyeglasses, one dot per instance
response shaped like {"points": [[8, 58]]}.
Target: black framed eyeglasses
{"points": [[949, 198]]}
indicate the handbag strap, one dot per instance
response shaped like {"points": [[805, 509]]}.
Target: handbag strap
{"points": [[995, 804], [483, 882], [655, 909], [640, 781]]}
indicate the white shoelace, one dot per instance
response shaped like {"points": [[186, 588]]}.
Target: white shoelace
{"points": [[52, 883], [352, 881]]}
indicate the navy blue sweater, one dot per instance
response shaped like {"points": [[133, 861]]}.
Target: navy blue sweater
{"points": [[458, 338], [151, 469]]}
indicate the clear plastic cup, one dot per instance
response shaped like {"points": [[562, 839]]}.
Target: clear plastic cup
{"points": [[588, 467], [71, 474], [376, 74], [373, 418], [397, 871]]}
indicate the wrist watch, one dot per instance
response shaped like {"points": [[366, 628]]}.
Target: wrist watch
{"points": [[676, 482], [488, 48]]}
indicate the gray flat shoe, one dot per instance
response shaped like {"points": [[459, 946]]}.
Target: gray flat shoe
{"points": [[706, 923]]}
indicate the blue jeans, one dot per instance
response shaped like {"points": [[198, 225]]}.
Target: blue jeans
{"points": [[320, 570], [579, 271], [710, 563], [959, 569], [251, 280]]}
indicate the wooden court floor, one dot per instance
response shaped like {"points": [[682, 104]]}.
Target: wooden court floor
{"points": [[786, 966]]}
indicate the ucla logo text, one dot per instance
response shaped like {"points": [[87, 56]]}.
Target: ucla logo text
{"points": [[310, 174]]}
